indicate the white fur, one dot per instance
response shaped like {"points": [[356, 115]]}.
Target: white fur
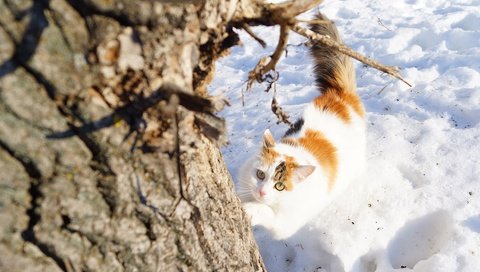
{"points": [[283, 213]]}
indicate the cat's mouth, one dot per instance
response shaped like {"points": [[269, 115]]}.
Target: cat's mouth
{"points": [[258, 197], [262, 198]]}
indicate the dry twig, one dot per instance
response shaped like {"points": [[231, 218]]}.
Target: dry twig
{"points": [[282, 116], [247, 29], [384, 87], [327, 41], [263, 67], [382, 24]]}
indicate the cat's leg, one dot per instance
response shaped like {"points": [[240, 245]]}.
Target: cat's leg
{"points": [[260, 214]]}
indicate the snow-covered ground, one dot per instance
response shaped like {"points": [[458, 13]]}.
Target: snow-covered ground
{"points": [[417, 208]]}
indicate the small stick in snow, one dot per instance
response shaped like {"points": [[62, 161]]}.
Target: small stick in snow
{"points": [[243, 99], [384, 87], [382, 24]]}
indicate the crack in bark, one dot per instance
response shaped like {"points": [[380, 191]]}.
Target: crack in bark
{"points": [[182, 255], [106, 187], [147, 222], [204, 243], [22, 55], [66, 221], [196, 214], [29, 233], [27, 163], [100, 161], [180, 168], [33, 217], [24, 51], [120, 260], [26, 48], [70, 117]]}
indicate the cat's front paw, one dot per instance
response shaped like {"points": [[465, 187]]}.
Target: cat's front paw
{"points": [[259, 214]]}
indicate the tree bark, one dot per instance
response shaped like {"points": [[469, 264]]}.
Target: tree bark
{"points": [[109, 155]]}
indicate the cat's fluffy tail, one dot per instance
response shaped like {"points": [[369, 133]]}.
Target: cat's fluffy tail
{"points": [[333, 70]]}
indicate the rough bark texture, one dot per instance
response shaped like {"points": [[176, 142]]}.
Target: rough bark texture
{"points": [[108, 141]]}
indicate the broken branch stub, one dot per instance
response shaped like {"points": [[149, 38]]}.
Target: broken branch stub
{"points": [[267, 64]]}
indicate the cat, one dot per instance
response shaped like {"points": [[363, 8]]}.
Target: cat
{"points": [[290, 181]]}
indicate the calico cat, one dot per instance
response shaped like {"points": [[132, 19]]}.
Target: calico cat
{"points": [[290, 181]]}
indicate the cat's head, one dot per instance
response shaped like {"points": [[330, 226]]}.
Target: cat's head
{"points": [[273, 174]]}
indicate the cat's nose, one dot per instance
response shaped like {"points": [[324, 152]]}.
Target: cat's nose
{"points": [[262, 192]]}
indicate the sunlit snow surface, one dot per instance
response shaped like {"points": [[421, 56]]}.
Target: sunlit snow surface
{"points": [[417, 208]]}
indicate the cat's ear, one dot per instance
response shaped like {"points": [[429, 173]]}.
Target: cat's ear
{"points": [[268, 140], [303, 171]]}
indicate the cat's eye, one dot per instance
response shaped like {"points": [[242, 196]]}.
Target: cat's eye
{"points": [[260, 174], [279, 186]]}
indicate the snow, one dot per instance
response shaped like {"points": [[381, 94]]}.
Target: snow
{"points": [[417, 207]]}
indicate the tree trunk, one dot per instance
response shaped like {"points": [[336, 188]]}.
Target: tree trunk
{"points": [[109, 155]]}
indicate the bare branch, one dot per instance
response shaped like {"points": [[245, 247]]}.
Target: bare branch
{"points": [[247, 28], [327, 41], [282, 44], [256, 73], [261, 68]]}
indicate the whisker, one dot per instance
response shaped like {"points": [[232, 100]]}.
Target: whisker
{"points": [[245, 195]]}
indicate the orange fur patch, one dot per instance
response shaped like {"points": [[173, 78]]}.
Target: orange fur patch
{"points": [[331, 102], [338, 102], [289, 141], [324, 151], [268, 155], [291, 165], [353, 100]]}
